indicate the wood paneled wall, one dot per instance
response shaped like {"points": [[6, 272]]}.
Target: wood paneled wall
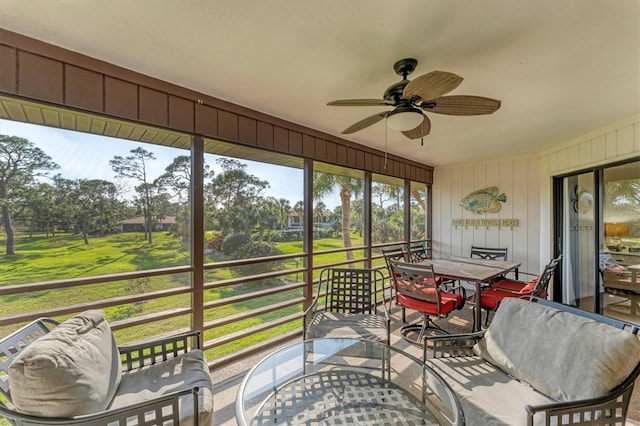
{"points": [[527, 184], [37, 71], [518, 180]]}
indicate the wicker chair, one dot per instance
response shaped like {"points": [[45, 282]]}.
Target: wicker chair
{"points": [[346, 305]]}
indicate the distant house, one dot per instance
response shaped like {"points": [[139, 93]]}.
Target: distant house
{"points": [[295, 221], [136, 224]]}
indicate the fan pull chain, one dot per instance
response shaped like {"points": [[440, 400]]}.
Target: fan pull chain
{"points": [[422, 141]]}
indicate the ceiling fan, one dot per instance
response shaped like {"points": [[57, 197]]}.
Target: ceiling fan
{"points": [[410, 98]]}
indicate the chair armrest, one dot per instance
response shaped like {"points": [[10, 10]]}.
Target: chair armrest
{"points": [[148, 353], [307, 316], [451, 345], [166, 404], [584, 410]]}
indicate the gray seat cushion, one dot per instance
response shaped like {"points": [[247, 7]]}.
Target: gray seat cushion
{"points": [[362, 326], [488, 395], [182, 372]]}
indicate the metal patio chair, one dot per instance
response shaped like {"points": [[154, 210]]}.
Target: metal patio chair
{"points": [[347, 304], [417, 288], [491, 297]]}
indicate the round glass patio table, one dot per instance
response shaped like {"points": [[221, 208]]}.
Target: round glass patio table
{"points": [[337, 381]]}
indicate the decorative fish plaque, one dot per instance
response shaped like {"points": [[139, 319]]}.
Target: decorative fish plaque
{"points": [[484, 200]]}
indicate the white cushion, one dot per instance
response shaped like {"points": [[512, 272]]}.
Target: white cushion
{"points": [[73, 370], [563, 355]]}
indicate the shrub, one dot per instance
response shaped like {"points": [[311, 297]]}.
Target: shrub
{"points": [[126, 311], [215, 242], [233, 242], [256, 249]]}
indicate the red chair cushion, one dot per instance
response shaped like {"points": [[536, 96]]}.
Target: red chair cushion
{"points": [[491, 297], [448, 302], [514, 285]]}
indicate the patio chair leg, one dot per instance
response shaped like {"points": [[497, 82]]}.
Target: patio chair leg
{"points": [[421, 328], [486, 321]]}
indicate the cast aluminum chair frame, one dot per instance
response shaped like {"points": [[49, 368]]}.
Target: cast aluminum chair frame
{"points": [[394, 254], [462, 345], [417, 252], [505, 287], [133, 357], [346, 305], [489, 253], [418, 288]]}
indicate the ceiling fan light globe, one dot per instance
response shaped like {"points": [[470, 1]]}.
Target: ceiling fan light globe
{"points": [[405, 120]]}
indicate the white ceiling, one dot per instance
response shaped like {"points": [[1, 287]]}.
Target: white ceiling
{"points": [[560, 68]]}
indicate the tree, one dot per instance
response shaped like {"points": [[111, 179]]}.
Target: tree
{"points": [[325, 184], [20, 162], [232, 195], [318, 213], [284, 209], [267, 215], [39, 199], [91, 199], [135, 167], [175, 183]]}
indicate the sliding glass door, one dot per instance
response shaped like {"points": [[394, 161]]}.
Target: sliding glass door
{"points": [[578, 246], [597, 225]]}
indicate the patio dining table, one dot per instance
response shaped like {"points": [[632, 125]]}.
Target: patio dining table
{"points": [[477, 271]]}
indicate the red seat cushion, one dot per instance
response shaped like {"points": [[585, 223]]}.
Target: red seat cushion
{"points": [[491, 297], [448, 302], [515, 285]]}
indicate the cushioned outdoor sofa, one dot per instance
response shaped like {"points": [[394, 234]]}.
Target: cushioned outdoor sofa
{"points": [[74, 374], [541, 363]]}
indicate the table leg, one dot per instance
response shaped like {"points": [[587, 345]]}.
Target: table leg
{"points": [[478, 319]]}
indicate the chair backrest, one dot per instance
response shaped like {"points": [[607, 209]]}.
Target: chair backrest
{"points": [[542, 285], [353, 291], [12, 345], [608, 262], [489, 253], [416, 282], [393, 254], [417, 252]]}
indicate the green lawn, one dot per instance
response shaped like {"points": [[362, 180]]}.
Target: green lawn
{"points": [[66, 256]]}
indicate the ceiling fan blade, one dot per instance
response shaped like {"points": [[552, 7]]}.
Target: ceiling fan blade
{"points": [[364, 123], [422, 130], [431, 85], [358, 102], [462, 105]]}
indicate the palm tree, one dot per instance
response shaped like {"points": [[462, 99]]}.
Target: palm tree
{"points": [[325, 184], [285, 209], [318, 213]]}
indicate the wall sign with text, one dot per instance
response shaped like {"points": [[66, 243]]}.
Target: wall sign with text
{"points": [[507, 223]]}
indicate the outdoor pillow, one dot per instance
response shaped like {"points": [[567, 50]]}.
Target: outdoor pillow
{"points": [[73, 370]]}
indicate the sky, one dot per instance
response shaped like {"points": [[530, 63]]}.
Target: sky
{"points": [[87, 156]]}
